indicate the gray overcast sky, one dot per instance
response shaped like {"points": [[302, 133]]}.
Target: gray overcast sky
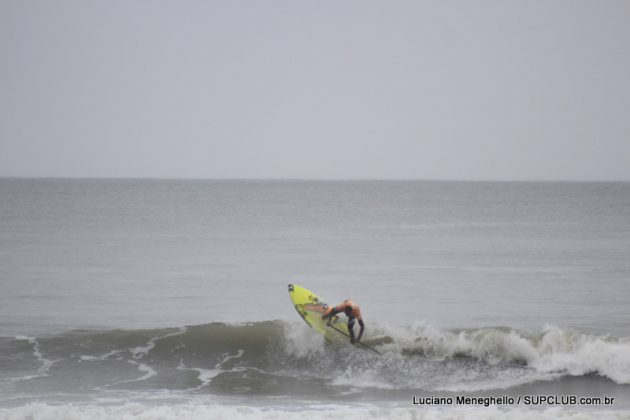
{"points": [[316, 89]]}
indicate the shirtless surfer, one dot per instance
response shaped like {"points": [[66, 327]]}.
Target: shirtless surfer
{"points": [[352, 311]]}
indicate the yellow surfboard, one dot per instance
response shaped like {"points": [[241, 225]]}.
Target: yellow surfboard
{"points": [[311, 308]]}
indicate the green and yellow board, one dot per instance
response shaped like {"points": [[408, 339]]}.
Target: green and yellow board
{"points": [[311, 308]]}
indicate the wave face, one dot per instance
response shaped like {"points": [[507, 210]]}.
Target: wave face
{"points": [[276, 358]]}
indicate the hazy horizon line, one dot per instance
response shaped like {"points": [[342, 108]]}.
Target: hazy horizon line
{"points": [[296, 179]]}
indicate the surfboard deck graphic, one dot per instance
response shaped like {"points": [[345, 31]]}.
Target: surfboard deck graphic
{"points": [[311, 308]]}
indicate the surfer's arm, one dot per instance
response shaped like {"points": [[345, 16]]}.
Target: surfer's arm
{"points": [[330, 312]]}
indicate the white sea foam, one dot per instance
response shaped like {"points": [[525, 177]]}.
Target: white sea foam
{"points": [[205, 376], [136, 411], [361, 378], [579, 354], [301, 341], [148, 373], [548, 354], [102, 357], [46, 363], [141, 351]]}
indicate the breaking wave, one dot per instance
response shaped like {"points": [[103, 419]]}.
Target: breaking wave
{"points": [[281, 358]]}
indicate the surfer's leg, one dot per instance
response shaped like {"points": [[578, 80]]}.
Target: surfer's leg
{"points": [[351, 328]]}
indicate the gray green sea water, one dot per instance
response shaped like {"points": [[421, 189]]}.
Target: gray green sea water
{"points": [[167, 298]]}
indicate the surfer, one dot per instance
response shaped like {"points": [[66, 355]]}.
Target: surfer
{"points": [[352, 311]]}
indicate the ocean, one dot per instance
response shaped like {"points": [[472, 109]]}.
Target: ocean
{"points": [[146, 299]]}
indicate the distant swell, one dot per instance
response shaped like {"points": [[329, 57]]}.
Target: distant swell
{"points": [[280, 358]]}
